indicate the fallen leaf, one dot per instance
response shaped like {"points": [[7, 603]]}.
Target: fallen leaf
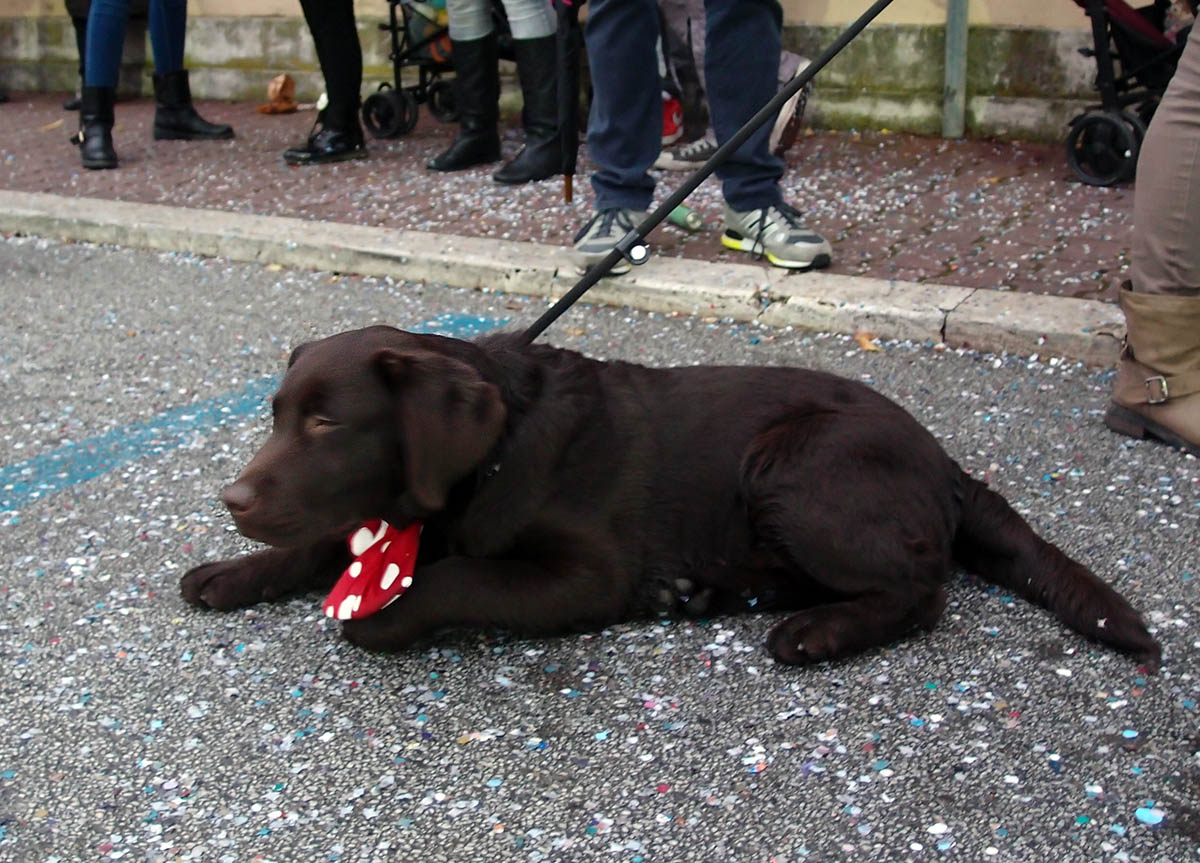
{"points": [[866, 341], [49, 126]]}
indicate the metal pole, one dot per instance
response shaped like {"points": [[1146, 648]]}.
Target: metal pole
{"points": [[954, 97]]}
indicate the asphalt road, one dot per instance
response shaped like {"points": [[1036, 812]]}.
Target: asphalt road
{"points": [[134, 727]]}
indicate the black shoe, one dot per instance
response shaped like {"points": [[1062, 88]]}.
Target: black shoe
{"points": [[95, 128], [175, 118], [541, 157], [329, 143], [467, 151], [477, 98], [72, 103]]}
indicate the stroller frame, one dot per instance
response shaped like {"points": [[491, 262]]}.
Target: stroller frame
{"points": [[1103, 142], [391, 111]]}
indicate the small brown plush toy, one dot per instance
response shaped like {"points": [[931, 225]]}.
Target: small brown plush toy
{"points": [[282, 93]]}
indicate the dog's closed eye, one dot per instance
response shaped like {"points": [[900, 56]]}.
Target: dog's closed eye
{"points": [[319, 423]]}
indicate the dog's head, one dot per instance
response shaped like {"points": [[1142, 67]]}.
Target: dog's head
{"points": [[373, 423]]}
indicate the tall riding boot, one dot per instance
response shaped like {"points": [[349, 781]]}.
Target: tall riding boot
{"points": [[477, 97], [541, 157], [1157, 390], [95, 127], [175, 118]]}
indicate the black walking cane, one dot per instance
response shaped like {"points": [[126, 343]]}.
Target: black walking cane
{"points": [[632, 246], [567, 47]]}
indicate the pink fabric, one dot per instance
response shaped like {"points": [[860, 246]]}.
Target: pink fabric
{"points": [[1130, 19]]}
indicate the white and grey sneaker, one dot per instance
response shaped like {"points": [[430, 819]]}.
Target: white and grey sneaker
{"points": [[686, 157], [776, 234], [600, 236]]}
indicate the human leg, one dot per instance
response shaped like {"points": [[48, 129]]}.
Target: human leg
{"points": [[175, 117], [533, 25], [105, 40], [625, 124], [167, 26], [79, 26], [476, 87], [742, 66], [337, 135], [1157, 389]]}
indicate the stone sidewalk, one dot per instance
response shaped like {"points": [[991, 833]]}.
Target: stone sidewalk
{"points": [[976, 244], [977, 214]]}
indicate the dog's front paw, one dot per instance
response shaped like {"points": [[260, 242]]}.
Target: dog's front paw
{"points": [[224, 586]]}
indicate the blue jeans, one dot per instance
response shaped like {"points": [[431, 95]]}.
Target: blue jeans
{"points": [[106, 26], [742, 46]]}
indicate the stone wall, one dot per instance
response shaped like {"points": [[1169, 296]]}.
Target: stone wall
{"points": [[1023, 81]]}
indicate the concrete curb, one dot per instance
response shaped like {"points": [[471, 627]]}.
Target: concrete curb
{"points": [[982, 319]]}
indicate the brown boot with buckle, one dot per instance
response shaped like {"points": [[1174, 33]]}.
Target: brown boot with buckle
{"points": [[1157, 390]]}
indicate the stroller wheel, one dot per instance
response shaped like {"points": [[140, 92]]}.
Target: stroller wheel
{"points": [[1102, 147], [1136, 124], [390, 113], [441, 101]]}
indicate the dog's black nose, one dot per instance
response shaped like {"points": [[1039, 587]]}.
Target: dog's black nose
{"points": [[238, 497]]}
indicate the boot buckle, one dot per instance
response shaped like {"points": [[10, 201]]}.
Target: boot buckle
{"points": [[1156, 390]]}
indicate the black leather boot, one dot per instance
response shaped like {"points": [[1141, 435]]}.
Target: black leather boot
{"points": [[95, 127], [477, 98], [175, 118], [541, 157], [337, 136]]}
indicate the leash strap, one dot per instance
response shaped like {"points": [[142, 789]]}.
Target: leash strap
{"points": [[632, 246]]}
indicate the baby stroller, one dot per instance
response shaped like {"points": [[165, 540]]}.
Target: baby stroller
{"points": [[419, 38], [1103, 142]]}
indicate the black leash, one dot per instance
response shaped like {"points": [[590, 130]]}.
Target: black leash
{"points": [[632, 246]]}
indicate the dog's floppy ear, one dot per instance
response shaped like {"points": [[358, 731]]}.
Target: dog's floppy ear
{"points": [[295, 355], [450, 420]]}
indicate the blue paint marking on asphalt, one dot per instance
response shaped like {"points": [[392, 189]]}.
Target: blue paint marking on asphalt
{"points": [[74, 463]]}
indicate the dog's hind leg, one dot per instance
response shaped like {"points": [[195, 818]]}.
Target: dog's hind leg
{"points": [[842, 628], [873, 591], [862, 514]]}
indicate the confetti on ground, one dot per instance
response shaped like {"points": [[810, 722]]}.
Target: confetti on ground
{"points": [[161, 733]]}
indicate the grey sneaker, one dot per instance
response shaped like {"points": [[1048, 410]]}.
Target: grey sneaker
{"points": [[776, 234], [791, 115], [600, 236], [686, 157]]}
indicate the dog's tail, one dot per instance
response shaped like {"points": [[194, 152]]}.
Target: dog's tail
{"points": [[995, 542]]}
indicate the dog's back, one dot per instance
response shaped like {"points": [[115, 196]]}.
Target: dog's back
{"points": [[753, 487]]}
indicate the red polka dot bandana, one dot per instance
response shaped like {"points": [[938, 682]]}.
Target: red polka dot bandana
{"points": [[382, 570]]}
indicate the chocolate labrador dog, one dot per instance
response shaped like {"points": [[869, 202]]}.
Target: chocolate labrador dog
{"points": [[559, 492]]}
